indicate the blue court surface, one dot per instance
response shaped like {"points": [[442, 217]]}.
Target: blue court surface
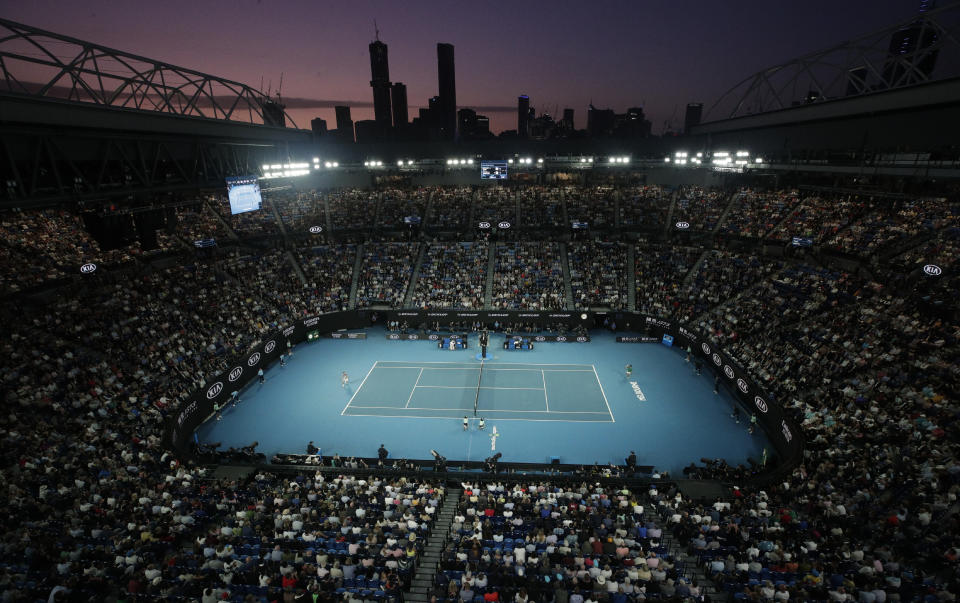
{"points": [[567, 400], [496, 391]]}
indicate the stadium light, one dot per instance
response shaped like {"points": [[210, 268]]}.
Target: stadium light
{"points": [[316, 160], [326, 164], [400, 162], [409, 161], [470, 161], [759, 159], [613, 160], [540, 160], [336, 164], [509, 160], [627, 159], [666, 160], [379, 163], [743, 154], [590, 160], [265, 167]]}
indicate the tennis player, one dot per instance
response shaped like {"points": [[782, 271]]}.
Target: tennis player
{"points": [[629, 369], [344, 379]]}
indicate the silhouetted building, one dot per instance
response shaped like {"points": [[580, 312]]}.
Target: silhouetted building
{"points": [[911, 59], [523, 115], [448, 91], [369, 130], [399, 94], [273, 114], [344, 123], [380, 82], [599, 122], [567, 119], [466, 122], [318, 127], [631, 124], [692, 117], [540, 128]]}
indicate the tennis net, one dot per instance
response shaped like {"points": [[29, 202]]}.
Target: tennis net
{"points": [[476, 402]]}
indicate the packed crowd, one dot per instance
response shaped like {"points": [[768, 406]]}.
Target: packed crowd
{"points": [[329, 273], [260, 222], [644, 207], [598, 274], [97, 507], [403, 208], [660, 272], [352, 209], [495, 205], [299, 210], [756, 213], [545, 542], [593, 206], [450, 207], [452, 275], [541, 208], [700, 208], [385, 273], [528, 276]]}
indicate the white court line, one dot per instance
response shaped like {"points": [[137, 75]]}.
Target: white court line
{"points": [[407, 405], [553, 412], [497, 419], [477, 368], [475, 387], [612, 420], [359, 388], [545, 398]]}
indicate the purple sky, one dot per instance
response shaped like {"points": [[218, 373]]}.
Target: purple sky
{"points": [[659, 55]]}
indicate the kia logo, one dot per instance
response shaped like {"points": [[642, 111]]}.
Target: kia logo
{"points": [[539, 338], [393, 336], [761, 404], [411, 337], [434, 337], [786, 431], [581, 338], [705, 348], [214, 390], [235, 373], [728, 371], [561, 338], [742, 385], [930, 269], [717, 360], [271, 345], [87, 268], [683, 225], [316, 229], [255, 358], [484, 225], [503, 225]]}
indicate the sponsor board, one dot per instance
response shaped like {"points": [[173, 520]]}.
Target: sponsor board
{"points": [[785, 430], [728, 371], [214, 390], [253, 359], [556, 338], [88, 268], [503, 224], [742, 385], [346, 336], [716, 359], [682, 225], [932, 270], [483, 225], [761, 404], [705, 348], [235, 373], [637, 339], [316, 229], [270, 347]]}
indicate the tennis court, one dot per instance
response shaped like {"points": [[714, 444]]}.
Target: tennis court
{"points": [[494, 391]]}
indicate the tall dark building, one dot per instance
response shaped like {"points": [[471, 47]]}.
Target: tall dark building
{"points": [[448, 91], [344, 123], [523, 116], [568, 119], [380, 82], [319, 127], [399, 96], [692, 117], [600, 122]]}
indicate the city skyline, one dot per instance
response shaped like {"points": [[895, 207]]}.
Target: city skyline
{"points": [[618, 55]]}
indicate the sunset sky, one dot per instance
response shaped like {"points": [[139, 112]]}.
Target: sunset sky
{"points": [[658, 55]]}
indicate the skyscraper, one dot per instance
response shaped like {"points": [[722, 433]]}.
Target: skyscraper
{"points": [[523, 116], [692, 117], [448, 91], [380, 82], [399, 94], [568, 119], [344, 123]]}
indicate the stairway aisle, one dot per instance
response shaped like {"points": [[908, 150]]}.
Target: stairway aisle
{"points": [[423, 579], [631, 269], [491, 266], [356, 277], [412, 285], [567, 286]]}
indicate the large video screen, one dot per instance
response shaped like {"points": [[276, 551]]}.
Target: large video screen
{"points": [[244, 194], [493, 170]]}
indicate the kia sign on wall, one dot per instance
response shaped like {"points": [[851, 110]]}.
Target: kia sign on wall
{"points": [[932, 270], [88, 268], [316, 229], [683, 225]]}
